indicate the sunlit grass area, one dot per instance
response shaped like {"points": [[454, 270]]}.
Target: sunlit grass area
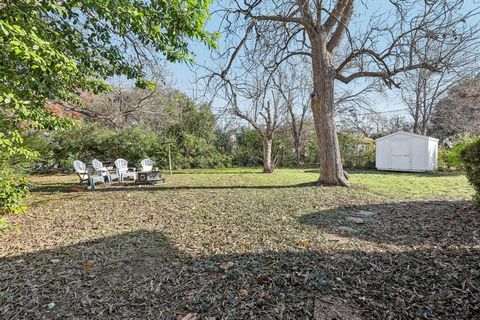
{"points": [[236, 243], [399, 185]]}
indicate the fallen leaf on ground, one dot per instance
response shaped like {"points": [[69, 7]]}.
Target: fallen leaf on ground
{"points": [[87, 266], [303, 243], [226, 265], [243, 292], [190, 316]]}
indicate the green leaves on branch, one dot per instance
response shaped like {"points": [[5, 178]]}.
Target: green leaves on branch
{"points": [[471, 160], [51, 51], [12, 193]]}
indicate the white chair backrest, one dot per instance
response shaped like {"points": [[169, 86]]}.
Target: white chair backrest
{"points": [[121, 165], [97, 164], [147, 165], [80, 169], [99, 167]]}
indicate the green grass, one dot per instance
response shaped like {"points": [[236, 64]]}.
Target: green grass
{"points": [[249, 204], [273, 226], [437, 186], [239, 200], [389, 184]]}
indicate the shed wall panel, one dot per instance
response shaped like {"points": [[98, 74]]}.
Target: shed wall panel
{"points": [[403, 151], [419, 154]]}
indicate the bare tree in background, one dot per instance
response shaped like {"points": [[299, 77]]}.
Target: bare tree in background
{"points": [[127, 105], [120, 107], [458, 112], [294, 85], [279, 31], [257, 102], [366, 124], [421, 89], [420, 93], [373, 124]]}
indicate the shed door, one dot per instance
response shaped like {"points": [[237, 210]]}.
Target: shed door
{"points": [[401, 154]]}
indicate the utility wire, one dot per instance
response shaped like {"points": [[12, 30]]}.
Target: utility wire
{"points": [[381, 112]]}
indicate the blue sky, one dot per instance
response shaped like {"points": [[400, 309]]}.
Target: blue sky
{"points": [[184, 76]]}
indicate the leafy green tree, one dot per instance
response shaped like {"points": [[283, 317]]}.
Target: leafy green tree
{"points": [[193, 134], [51, 51]]}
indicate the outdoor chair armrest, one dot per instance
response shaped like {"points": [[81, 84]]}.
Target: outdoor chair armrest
{"points": [[83, 172]]}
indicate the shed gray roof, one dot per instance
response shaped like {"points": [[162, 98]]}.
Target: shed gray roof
{"points": [[406, 133]]}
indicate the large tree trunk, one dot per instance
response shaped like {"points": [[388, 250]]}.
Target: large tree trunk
{"points": [[267, 155], [331, 169]]}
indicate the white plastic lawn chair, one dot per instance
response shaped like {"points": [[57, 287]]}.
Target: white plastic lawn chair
{"points": [[147, 165], [85, 176], [123, 171], [103, 171]]}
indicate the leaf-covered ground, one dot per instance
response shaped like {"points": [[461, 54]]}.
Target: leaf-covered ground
{"points": [[236, 244]]}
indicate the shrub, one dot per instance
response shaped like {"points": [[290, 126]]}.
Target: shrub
{"points": [[451, 159], [13, 191], [197, 152], [250, 149], [13, 187], [357, 151], [38, 142], [442, 159], [312, 155], [135, 144], [82, 142], [86, 142], [470, 155]]}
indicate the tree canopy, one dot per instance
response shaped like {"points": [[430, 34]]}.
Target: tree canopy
{"points": [[51, 51]]}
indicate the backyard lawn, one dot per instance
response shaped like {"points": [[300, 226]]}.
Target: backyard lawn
{"points": [[237, 244]]}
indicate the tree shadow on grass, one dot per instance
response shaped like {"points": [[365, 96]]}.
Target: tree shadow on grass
{"points": [[35, 203], [131, 187], [397, 173], [52, 188], [439, 223], [256, 170], [142, 275]]}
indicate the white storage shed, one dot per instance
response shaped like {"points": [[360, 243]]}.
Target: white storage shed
{"points": [[403, 151]]}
